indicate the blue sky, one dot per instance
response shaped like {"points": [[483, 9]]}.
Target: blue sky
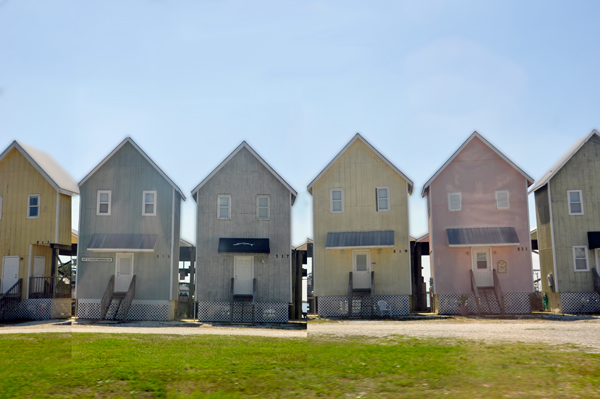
{"points": [[189, 80]]}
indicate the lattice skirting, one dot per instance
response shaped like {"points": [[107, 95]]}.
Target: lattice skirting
{"points": [[514, 303], [363, 306], [265, 312], [150, 310], [41, 309], [580, 302]]}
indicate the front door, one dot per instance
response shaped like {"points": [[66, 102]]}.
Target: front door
{"points": [[39, 267], [482, 267], [361, 269], [123, 272], [10, 272], [243, 270]]}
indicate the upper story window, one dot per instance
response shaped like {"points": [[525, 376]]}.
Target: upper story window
{"points": [[104, 202], [383, 198], [263, 207], [454, 202], [502, 199], [575, 202], [580, 260], [224, 207], [336, 200], [149, 203], [33, 206]]}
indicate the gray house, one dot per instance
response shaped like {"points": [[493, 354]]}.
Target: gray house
{"points": [[244, 241], [128, 253]]}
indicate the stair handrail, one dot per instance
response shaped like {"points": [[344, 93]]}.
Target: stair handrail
{"points": [[498, 289], [107, 297], [350, 294], [475, 291], [9, 294], [231, 301], [129, 297]]}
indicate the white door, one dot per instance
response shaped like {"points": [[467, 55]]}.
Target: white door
{"points": [[243, 271], [10, 272], [123, 272], [39, 267], [361, 269], [482, 267]]}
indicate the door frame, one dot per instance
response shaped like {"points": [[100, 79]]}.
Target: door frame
{"points": [[474, 250], [251, 267], [3, 270], [358, 252], [117, 257]]}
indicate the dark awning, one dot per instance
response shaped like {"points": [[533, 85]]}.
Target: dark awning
{"points": [[482, 236], [122, 242], [246, 245], [593, 239], [355, 239]]}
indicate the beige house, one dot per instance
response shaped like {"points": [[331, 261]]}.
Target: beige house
{"points": [[361, 243]]}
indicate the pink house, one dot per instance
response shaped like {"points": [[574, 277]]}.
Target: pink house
{"points": [[479, 232]]}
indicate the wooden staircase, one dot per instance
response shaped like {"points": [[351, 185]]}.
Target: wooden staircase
{"points": [[11, 298], [242, 308], [366, 296], [491, 297], [596, 278], [123, 299]]}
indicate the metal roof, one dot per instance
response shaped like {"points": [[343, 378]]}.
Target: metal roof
{"points": [[482, 236], [357, 239], [47, 166], [563, 160], [122, 242]]}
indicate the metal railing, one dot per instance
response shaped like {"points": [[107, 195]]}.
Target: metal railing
{"points": [[107, 297], [49, 287], [129, 297]]}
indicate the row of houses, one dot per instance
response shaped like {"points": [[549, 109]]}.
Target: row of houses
{"points": [[364, 261]]}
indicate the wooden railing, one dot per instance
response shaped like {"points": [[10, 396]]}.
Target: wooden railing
{"points": [[129, 297], [498, 289], [107, 297], [596, 278], [11, 297], [350, 294], [231, 301], [49, 287], [475, 291], [253, 300]]}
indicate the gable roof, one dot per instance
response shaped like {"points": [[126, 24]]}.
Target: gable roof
{"points": [[262, 161], [47, 166], [480, 137], [563, 160], [357, 136], [130, 141]]}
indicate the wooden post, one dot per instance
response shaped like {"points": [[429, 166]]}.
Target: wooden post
{"points": [[298, 286], [192, 296]]}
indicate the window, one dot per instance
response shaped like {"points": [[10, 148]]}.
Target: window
{"points": [[575, 202], [580, 261], [104, 198], [502, 199], [383, 198], [33, 206], [224, 207], [481, 260], [337, 200], [149, 203], [454, 202], [263, 210]]}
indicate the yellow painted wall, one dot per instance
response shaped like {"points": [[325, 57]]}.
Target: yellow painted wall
{"points": [[359, 171]]}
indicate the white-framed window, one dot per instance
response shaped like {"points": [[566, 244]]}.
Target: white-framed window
{"points": [[580, 258], [149, 203], [0, 207], [263, 207], [103, 202], [502, 199], [382, 194], [33, 206], [575, 199], [336, 202], [224, 207], [454, 202]]}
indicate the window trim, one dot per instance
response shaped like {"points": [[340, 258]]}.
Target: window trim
{"points": [[587, 261], [377, 198], [449, 202], [39, 206], [258, 197], [144, 203], [109, 192], [331, 190], [219, 206], [569, 201], [507, 198]]}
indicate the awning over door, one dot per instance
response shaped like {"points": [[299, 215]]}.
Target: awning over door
{"points": [[244, 245], [482, 236], [593, 239], [360, 239], [122, 242]]}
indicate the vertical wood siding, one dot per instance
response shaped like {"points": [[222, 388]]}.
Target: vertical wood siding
{"points": [[544, 236]]}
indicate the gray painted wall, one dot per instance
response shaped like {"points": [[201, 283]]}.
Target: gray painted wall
{"points": [[244, 177], [127, 173]]}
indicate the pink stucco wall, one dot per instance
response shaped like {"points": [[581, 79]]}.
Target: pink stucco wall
{"points": [[477, 172]]}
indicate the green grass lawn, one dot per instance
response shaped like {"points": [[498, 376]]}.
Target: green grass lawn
{"points": [[106, 365]]}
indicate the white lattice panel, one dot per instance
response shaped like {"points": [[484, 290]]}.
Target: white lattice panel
{"points": [[213, 311], [272, 312], [31, 309], [242, 312], [514, 302], [580, 302], [363, 306], [140, 310], [88, 309], [517, 302]]}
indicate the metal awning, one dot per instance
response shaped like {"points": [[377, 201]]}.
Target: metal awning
{"points": [[480, 236], [122, 242], [360, 239], [244, 245], [593, 239]]}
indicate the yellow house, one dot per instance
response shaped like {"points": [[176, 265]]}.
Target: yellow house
{"points": [[35, 225], [361, 263]]}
